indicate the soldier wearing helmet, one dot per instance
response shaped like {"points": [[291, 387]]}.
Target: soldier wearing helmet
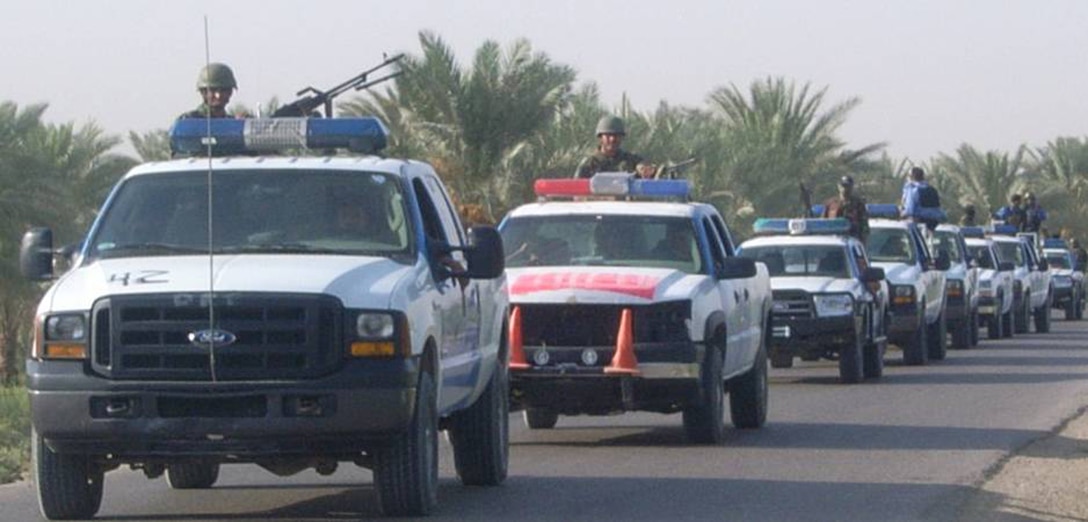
{"points": [[1034, 215], [851, 206], [609, 157], [215, 84]]}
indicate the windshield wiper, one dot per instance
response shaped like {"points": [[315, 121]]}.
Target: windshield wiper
{"points": [[281, 248], [151, 247]]}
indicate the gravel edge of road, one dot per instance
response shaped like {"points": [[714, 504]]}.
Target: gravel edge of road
{"points": [[1045, 479]]}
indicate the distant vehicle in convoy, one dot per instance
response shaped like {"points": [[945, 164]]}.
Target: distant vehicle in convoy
{"points": [[916, 285], [634, 303], [995, 285], [1068, 283], [828, 301], [1031, 280], [961, 286], [307, 311]]}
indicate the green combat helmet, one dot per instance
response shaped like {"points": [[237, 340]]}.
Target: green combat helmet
{"points": [[216, 75], [611, 125]]}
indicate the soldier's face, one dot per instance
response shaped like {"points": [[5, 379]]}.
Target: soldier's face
{"points": [[610, 143], [216, 98]]}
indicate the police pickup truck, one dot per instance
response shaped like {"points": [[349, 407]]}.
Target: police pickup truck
{"points": [[633, 303], [828, 300], [916, 285], [1031, 279], [240, 306], [995, 284], [1067, 281], [961, 285]]}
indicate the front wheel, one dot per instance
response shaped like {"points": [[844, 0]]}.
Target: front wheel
{"points": [[748, 395], [704, 418], [480, 435], [1023, 315], [850, 362], [916, 353], [69, 486], [1042, 316], [1071, 308], [406, 470], [938, 338], [1008, 323]]}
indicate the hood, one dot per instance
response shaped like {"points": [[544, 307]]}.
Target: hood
{"points": [[357, 281], [814, 285], [601, 285], [899, 273]]}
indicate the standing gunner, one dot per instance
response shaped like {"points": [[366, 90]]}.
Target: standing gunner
{"points": [[216, 85], [609, 157]]}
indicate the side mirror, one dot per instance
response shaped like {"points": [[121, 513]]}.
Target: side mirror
{"points": [[738, 268], [872, 275], [484, 253], [942, 263], [1006, 266], [36, 254]]}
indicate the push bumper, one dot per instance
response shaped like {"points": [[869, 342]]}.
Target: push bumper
{"points": [[796, 335]]}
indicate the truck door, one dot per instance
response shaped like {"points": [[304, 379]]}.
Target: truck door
{"points": [[734, 298], [457, 299]]}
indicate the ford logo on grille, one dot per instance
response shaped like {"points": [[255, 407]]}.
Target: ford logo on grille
{"points": [[214, 338]]}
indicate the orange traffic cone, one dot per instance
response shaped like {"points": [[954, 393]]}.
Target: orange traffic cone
{"points": [[517, 350], [624, 360]]}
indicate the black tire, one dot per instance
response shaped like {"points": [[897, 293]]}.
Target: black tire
{"points": [[748, 395], [192, 475], [406, 470], [704, 418], [1023, 315], [69, 486], [1042, 316], [874, 359], [974, 327], [961, 334], [1080, 307], [938, 339], [851, 362], [480, 435], [782, 359], [1071, 309], [540, 418], [995, 325], [916, 351], [1008, 323]]}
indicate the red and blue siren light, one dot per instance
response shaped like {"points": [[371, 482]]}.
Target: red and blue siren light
{"points": [[229, 136], [613, 184], [801, 227]]}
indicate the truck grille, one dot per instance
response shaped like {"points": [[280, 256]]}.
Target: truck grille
{"points": [[277, 336], [793, 304], [598, 325]]}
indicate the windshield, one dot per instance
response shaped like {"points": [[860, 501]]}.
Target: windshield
{"points": [[605, 240], [890, 245], [982, 256], [800, 260], [1059, 260], [281, 211], [949, 243], [1010, 251]]}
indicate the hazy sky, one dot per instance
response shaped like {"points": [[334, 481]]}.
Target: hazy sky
{"points": [[931, 74]]}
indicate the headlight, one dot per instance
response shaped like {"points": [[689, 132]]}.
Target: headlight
{"points": [[829, 305], [379, 334], [64, 336], [902, 294]]}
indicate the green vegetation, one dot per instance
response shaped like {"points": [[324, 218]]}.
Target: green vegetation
{"points": [[510, 117], [14, 433]]}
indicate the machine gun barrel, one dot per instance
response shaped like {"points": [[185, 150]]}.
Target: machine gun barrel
{"points": [[311, 98]]}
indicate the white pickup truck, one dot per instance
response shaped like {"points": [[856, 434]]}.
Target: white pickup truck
{"points": [[1031, 281], [292, 312], [627, 304]]}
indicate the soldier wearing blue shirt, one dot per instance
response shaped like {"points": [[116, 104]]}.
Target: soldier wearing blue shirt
{"points": [[920, 202]]}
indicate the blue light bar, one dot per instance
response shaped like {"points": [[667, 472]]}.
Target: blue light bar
{"points": [[883, 210], [816, 211], [801, 227], [975, 232], [1006, 230], [662, 188], [229, 136], [1054, 242]]}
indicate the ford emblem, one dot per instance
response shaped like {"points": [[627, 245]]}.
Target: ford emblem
{"points": [[213, 338]]}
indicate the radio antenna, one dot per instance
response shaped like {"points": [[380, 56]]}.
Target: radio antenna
{"points": [[208, 142]]}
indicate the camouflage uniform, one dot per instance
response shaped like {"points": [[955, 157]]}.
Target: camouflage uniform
{"points": [[623, 161], [853, 209], [202, 112]]}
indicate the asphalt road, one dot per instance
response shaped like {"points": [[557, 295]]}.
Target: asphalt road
{"points": [[912, 446]]}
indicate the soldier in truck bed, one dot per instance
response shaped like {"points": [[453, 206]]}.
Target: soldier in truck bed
{"points": [[215, 84], [609, 157]]}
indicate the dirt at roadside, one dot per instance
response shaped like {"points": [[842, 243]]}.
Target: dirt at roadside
{"points": [[1046, 480]]}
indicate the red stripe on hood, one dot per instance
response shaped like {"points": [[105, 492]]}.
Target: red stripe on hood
{"points": [[636, 285]]}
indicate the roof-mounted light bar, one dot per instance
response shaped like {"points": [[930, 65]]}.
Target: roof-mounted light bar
{"points": [[228, 136], [801, 227], [1006, 230], [613, 184], [883, 210], [974, 232], [1054, 242]]}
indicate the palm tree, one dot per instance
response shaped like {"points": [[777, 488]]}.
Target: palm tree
{"points": [[467, 122], [985, 180], [776, 136], [1060, 178]]}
